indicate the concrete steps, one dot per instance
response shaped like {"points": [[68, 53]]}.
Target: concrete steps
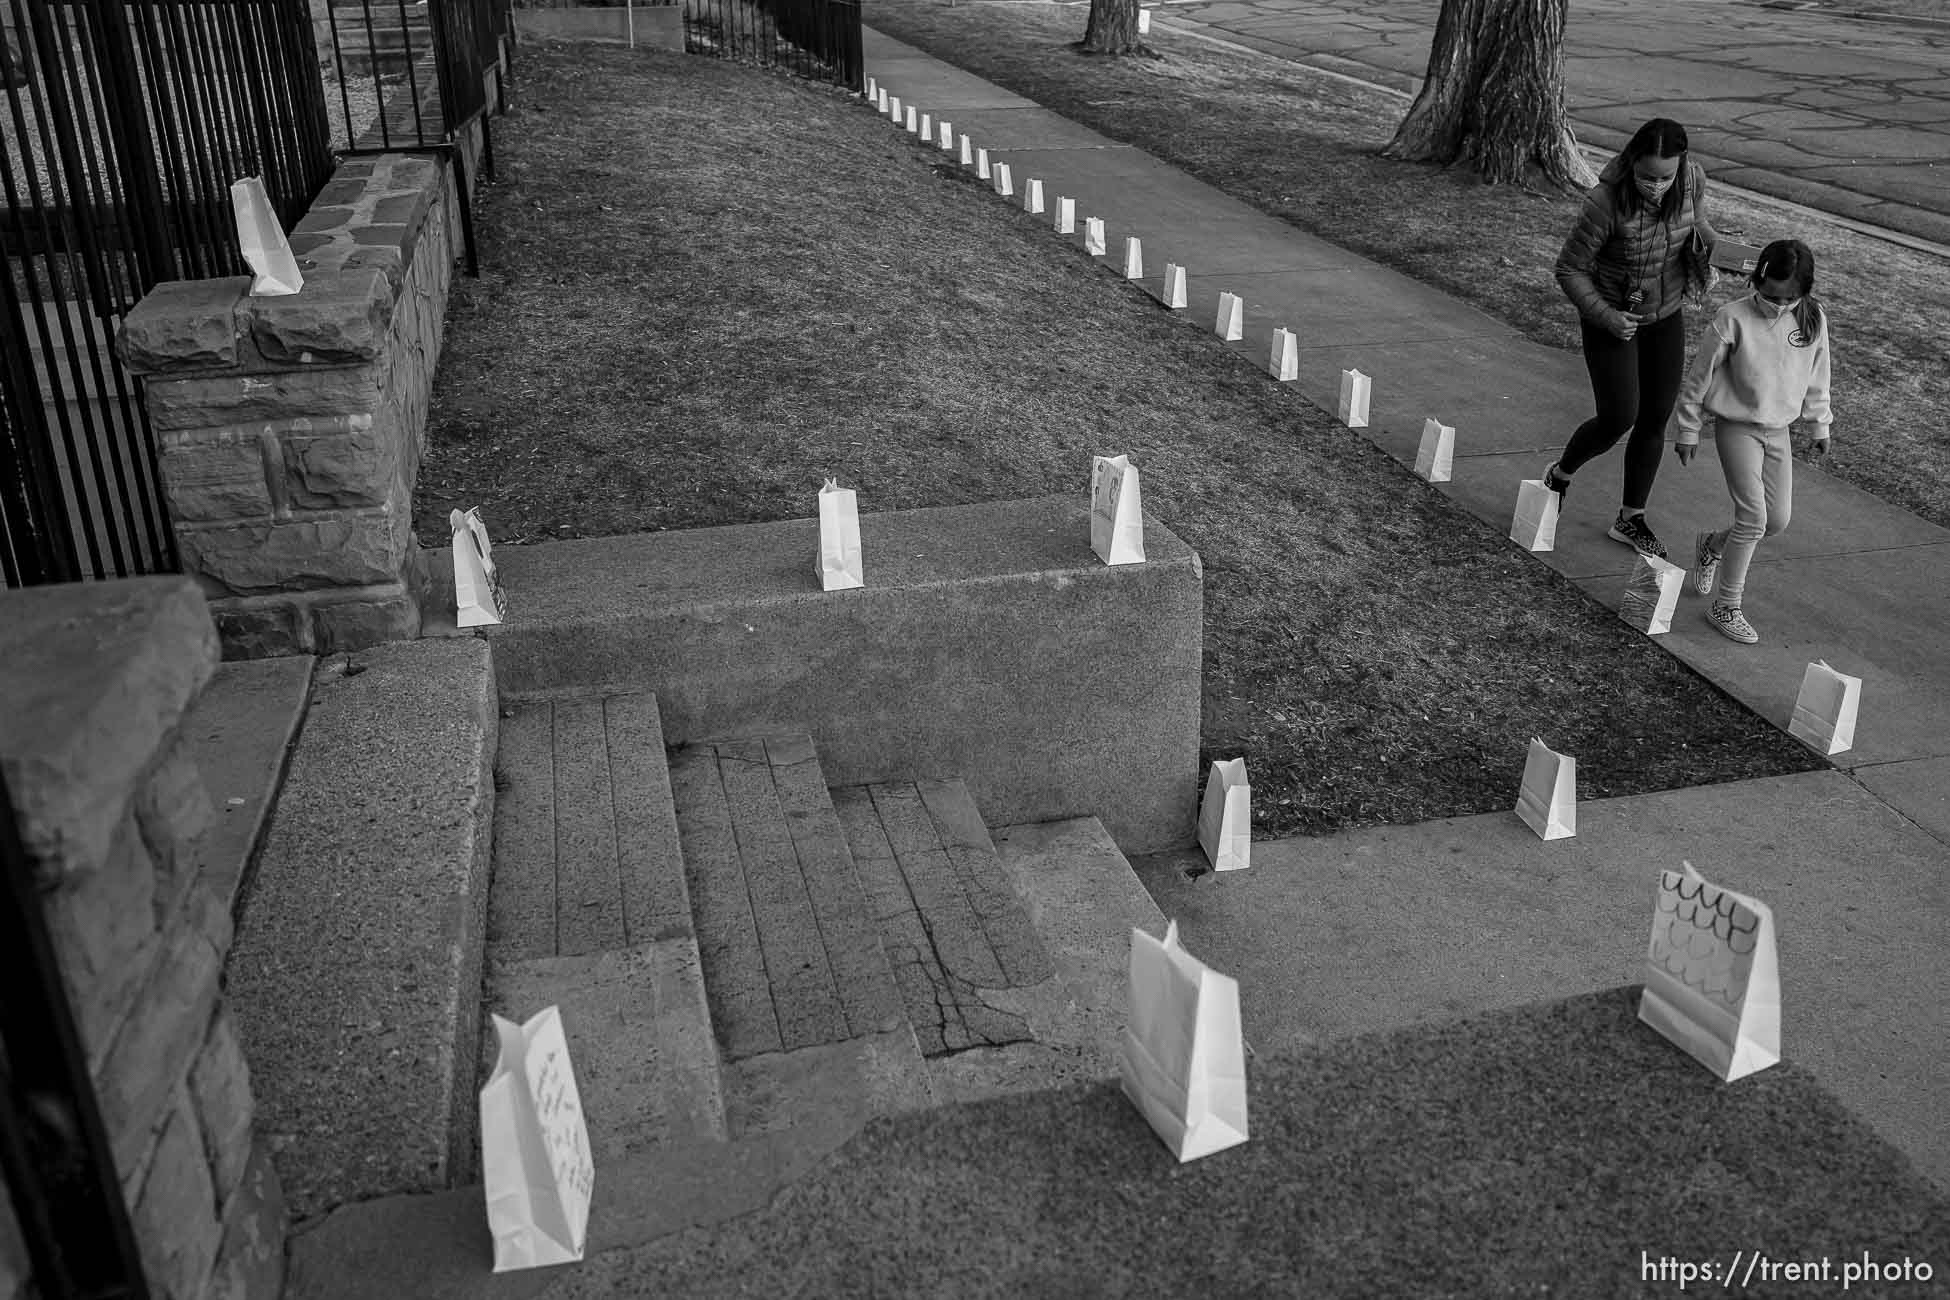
{"points": [[716, 925], [588, 912]]}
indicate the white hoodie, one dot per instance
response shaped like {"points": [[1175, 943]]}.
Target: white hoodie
{"points": [[1749, 369]]}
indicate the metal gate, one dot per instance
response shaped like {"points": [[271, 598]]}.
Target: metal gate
{"points": [[125, 123]]}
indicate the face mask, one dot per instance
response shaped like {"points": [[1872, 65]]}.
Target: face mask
{"points": [[1653, 190], [1773, 310]]}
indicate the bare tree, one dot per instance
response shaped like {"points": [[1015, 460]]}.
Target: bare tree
{"points": [[1493, 96], [1113, 29]]}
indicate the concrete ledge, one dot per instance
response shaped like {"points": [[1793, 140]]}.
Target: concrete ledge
{"points": [[660, 27], [355, 979], [989, 644]]}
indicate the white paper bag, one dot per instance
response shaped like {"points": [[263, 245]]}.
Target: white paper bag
{"points": [[982, 163], [1534, 527], [1712, 975], [274, 270], [1133, 258], [478, 600], [839, 538], [967, 150], [1284, 362], [1355, 387], [1182, 1060], [1005, 184], [1825, 709], [535, 1161], [1436, 456], [1144, 22], [1174, 286], [1225, 827], [1066, 216], [927, 129], [947, 134], [894, 107], [1230, 325], [880, 99], [1116, 515], [1093, 236], [1651, 594], [1032, 195], [1548, 798], [913, 126], [872, 87]]}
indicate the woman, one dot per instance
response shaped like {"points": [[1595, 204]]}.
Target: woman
{"points": [[1641, 242]]}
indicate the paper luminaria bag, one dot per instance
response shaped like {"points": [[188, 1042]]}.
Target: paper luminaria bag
{"points": [[535, 1163], [1534, 526], [839, 538], [1283, 362], [1116, 513], [1065, 218], [1548, 799], [1229, 325], [1174, 286], [1355, 388], [1133, 258], [1093, 236], [1225, 826], [478, 599], [1651, 594], [1712, 975], [1032, 195], [1182, 1060], [1435, 458], [274, 271], [1825, 709]]}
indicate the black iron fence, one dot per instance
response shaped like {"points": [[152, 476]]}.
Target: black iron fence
{"points": [[408, 74], [819, 39], [126, 121]]}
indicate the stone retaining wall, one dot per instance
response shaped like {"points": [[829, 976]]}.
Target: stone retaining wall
{"points": [[95, 679], [290, 428]]}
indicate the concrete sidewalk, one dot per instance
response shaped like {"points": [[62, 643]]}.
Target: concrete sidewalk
{"points": [[1843, 112], [1857, 583]]}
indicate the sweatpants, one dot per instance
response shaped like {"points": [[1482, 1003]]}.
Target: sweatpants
{"points": [[1635, 383], [1759, 466]]}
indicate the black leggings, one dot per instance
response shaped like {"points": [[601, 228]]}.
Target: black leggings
{"points": [[1635, 383]]}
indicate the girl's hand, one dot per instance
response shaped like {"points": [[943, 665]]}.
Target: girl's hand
{"points": [[1819, 447], [1685, 451], [1624, 325]]}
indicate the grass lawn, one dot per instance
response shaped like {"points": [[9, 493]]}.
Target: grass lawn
{"points": [[705, 288], [1301, 146]]}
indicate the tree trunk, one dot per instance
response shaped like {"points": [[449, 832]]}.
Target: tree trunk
{"points": [[1494, 96], [1112, 29]]}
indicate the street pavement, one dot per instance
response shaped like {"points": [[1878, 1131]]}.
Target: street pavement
{"points": [[1845, 113]]}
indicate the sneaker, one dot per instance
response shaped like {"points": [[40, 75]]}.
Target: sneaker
{"points": [[1732, 623], [1633, 531], [1556, 482], [1706, 564]]}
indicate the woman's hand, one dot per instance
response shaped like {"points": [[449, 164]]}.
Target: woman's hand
{"points": [[1685, 451], [1624, 325]]}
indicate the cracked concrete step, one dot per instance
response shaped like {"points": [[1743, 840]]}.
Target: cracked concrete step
{"points": [[586, 853], [951, 923], [792, 958], [1083, 899]]}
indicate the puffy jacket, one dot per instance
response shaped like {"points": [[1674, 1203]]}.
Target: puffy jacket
{"points": [[1610, 252]]}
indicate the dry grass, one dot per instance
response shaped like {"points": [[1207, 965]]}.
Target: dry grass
{"points": [[705, 288], [1301, 146]]}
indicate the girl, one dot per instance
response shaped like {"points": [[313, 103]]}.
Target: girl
{"points": [[1763, 366], [1641, 242]]}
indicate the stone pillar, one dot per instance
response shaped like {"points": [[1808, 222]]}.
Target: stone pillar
{"points": [[94, 681], [290, 428]]}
